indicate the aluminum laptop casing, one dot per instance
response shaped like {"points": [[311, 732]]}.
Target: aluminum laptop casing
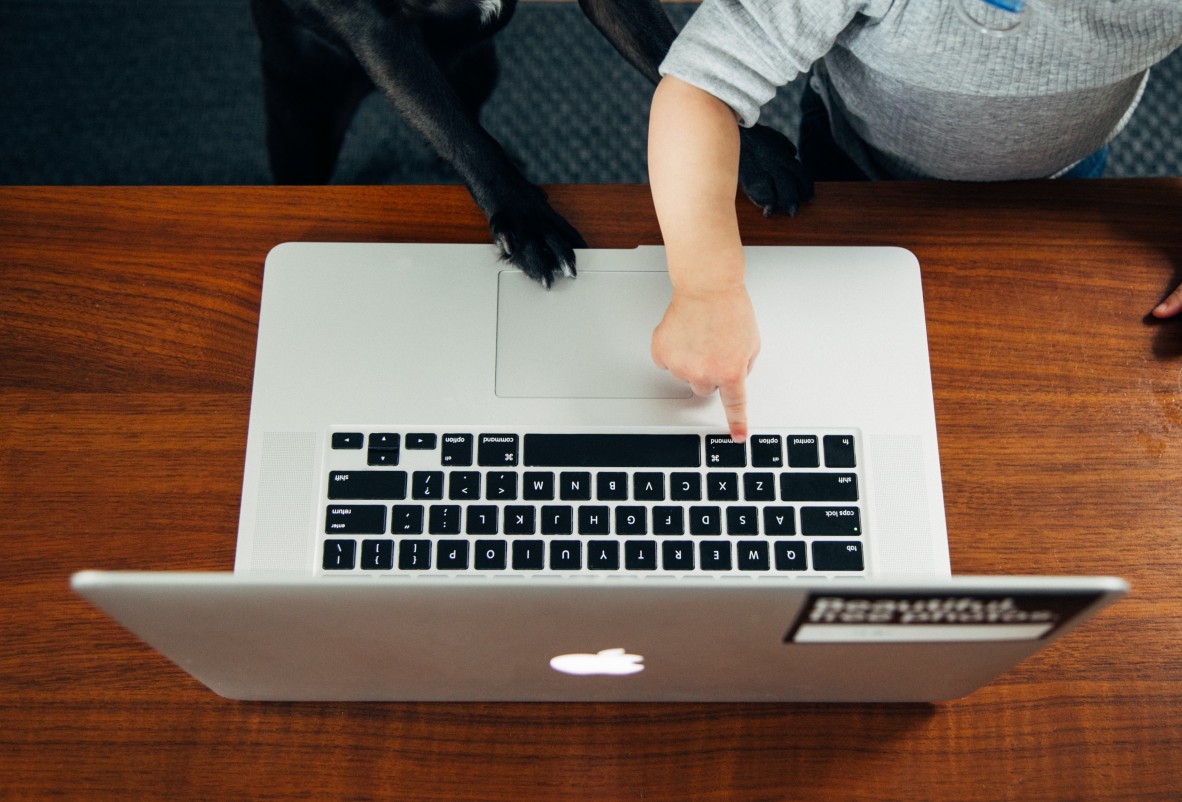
{"points": [[449, 336]]}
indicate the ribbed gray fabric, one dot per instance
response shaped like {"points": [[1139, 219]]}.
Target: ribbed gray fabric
{"points": [[914, 90], [129, 92]]}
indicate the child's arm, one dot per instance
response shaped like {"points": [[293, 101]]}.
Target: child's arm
{"points": [[708, 336]]}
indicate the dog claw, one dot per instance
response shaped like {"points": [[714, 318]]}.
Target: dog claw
{"points": [[543, 243]]}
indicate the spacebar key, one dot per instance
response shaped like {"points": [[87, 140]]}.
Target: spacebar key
{"points": [[613, 450]]}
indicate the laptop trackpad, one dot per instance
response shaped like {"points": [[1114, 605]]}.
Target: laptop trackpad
{"points": [[586, 338]]}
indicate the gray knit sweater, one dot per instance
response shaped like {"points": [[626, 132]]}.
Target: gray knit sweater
{"points": [[914, 90]]}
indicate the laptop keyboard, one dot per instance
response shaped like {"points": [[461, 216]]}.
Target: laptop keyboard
{"points": [[592, 501]]}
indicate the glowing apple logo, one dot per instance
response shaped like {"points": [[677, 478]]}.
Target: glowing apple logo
{"points": [[615, 662]]}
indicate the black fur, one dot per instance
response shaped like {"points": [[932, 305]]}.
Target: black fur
{"points": [[434, 60]]}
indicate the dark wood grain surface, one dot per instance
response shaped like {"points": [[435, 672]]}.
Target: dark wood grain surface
{"points": [[127, 327]]}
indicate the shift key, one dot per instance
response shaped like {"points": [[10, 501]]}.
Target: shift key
{"points": [[366, 485], [840, 521], [818, 486]]}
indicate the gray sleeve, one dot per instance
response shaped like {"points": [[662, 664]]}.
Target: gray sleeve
{"points": [[742, 51]]}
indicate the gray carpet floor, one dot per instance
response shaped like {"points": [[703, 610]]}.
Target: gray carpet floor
{"points": [[131, 92]]}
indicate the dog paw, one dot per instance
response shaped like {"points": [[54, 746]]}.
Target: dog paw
{"points": [[770, 173], [537, 240]]}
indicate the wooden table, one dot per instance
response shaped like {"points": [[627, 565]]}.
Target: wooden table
{"points": [[127, 328]]}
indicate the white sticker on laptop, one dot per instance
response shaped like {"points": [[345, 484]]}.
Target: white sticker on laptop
{"points": [[933, 617]]}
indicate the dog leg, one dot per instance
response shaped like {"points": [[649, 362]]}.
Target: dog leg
{"points": [[769, 172], [639, 30], [473, 75], [531, 235], [311, 89]]}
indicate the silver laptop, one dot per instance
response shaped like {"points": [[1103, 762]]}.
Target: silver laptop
{"points": [[459, 485]]}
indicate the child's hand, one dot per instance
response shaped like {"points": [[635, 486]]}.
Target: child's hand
{"points": [[1171, 306], [711, 341]]}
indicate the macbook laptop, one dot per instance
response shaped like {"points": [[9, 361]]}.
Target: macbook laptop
{"points": [[461, 486]]}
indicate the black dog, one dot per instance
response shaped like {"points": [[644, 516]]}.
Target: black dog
{"points": [[434, 60]]}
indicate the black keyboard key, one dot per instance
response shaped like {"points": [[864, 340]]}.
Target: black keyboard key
{"points": [[840, 521], [603, 555], [453, 555], [382, 459], [759, 487], [839, 451], [456, 451], [491, 555], [463, 485], [383, 448], [753, 555], [640, 555], [611, 486], [497, 450], [421, 441], [426, 485], [722, 486], [443, 519], [631, 520], [767, 451], [715, 555], [668, 521], [648, 487], [791, 555], [557, 520], [818, 487], [482, 520], [705, 521], [685, 486], [835, 555], [414, 555], [594, 520], [779, 520], [348, 440], [538, 486], [384, 441], [677, 556], [367, 485], [529, 555], [574, 486], [802, 451], [377, 555], [613, 450], [339, 555], [742, 521], [406, 519], [355, 519], [566, 556], [519, 520], [501, 486], [723, 452]]}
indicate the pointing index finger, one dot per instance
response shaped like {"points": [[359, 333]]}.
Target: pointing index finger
{"points": [[734, 404]]}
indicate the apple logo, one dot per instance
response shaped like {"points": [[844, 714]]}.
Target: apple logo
{"points": [[615, 662]]}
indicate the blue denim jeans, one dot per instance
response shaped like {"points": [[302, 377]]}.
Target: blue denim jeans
{"points": [[1090, 167]]}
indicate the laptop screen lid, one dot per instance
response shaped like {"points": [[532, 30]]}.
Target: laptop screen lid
{"points": [[579, 640]]}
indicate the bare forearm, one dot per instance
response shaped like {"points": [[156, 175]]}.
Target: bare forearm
{"points": [[708, 336], [693, 168]]}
